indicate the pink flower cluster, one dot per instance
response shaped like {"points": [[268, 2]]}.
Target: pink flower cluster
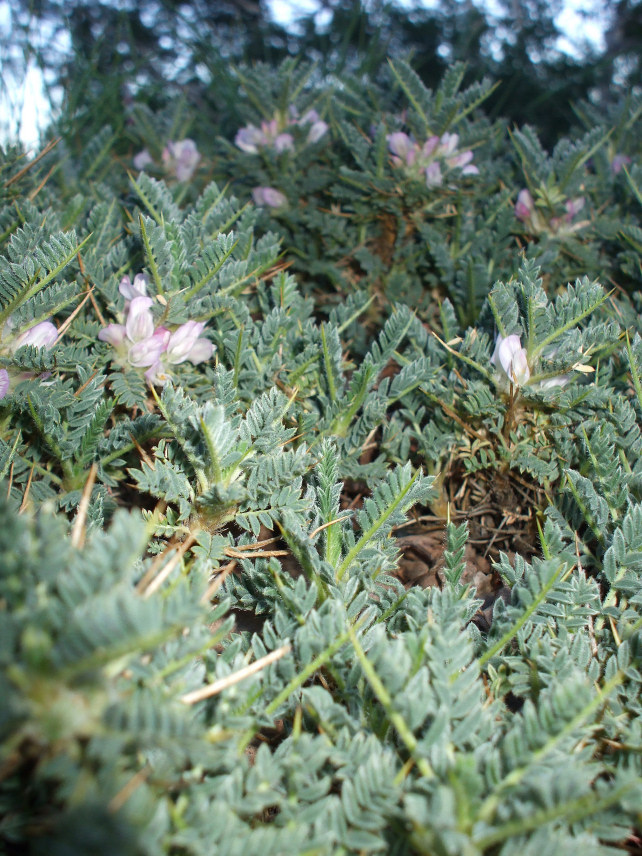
{"points": [[538, 223], [141, 344], [180, 159], [274, 134], [432, 160], [42, 335]]}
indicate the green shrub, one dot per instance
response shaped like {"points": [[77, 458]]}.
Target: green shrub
{"points": [[215, 418]]}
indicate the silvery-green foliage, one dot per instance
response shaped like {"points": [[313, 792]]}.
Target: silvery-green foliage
{"points": [[157, 541]]}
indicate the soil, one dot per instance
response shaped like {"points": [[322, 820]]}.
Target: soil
{"points": [[501, 511]]}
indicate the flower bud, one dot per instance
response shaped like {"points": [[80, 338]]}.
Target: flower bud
{"points": [[619, 162], [42, 335], [401, 145], [448, 144], [284, 142], [269, 196], [308, 118], [573, 207], [429, 147], [524, 206], [156, 374], [4, 383], [142, 159], [433, 175], [461, 160], [182, 158], [318, 130]]}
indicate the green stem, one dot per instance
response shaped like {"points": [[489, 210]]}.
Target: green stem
{"points": [[297, 681], [491, 804], [210, 273], [530, 610], [570, 812], [332, 389], [361, 543], [67, 469], [408, 738], [569, 325], [634, 373], [34, 287], [150, 256]]}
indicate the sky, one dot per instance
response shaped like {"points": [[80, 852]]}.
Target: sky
{"points": [[24, 109]]}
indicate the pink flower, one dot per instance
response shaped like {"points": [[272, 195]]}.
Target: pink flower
{"points": [[433, 175], [42, 335], [4, 383], [433, 160], [551, 382], [273, 132], [269, 196], [429, 147], [512, 358], [524, 206], [156, 374], [402, 146], [142, 159], [140, 321], [448, 144], [181, 158], [250, 139], [459, 161], [284, 142], [308, 118], [185, 344], [619, 162], [573, 207], [147, 351], [131, 290], [318, 130], [139, 344], [113, 334]]}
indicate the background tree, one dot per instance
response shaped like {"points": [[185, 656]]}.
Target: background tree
{"points": [[105, 53]]}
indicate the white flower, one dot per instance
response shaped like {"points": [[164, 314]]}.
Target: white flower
{"points": [[512, 358]]}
